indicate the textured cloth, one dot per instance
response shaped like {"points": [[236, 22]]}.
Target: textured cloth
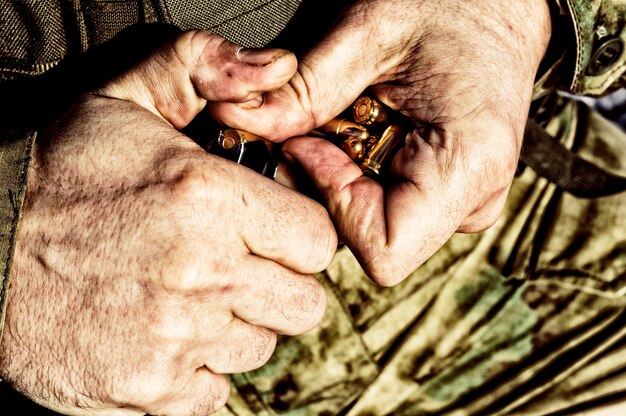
{"points": [[251, 23], [15, 150], [595, 22], [526, 318], [578, 61], [37, 35]]}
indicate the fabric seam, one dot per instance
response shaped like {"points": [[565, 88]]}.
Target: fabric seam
{"points": [[575, 18], [16, 202]]}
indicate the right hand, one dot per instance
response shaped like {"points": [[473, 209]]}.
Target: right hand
{"points": [[463, 72], [146, 269]]}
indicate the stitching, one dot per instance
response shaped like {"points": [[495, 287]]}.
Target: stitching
{"points": [[239, 16], [576, 18]]}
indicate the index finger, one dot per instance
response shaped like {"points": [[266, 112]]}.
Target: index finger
{"points": [[286, 226], [176, 81]]}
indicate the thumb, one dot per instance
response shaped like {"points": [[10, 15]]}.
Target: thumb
{"points": [[373, 222], [329, 78], [176, 81]]}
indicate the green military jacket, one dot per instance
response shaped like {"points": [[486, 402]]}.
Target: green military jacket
{"points": [[485, 324]]}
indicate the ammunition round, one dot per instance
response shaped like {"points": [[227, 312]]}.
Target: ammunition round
{"points": [[366, 110], [345, 128], [384, 148], [353, 147], [241, 136], [228, 142], [370, 167]]}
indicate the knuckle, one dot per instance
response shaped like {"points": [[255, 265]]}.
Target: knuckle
{"points": [[185, 265], [189, 267], [483, 219], [166, 75], [219, 395], [319, 305], [387, 269], [304, 303], [263, 346], [215, 398], [183, 275], [246, 352], [147, 386], [385, 280], [383, 276], [189, 183], [323, 247], [211, 62], [189, 45], [485, 222], [298, 120]]}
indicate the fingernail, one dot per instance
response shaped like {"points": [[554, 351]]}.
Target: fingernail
{"points": [[260, 56], [411, 145], [256, 102]]}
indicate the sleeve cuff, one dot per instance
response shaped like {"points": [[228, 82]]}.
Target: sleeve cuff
{"points": [[15, 154]]}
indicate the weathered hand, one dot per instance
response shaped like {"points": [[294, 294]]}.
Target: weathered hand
{"points": [[146, 269], [463, 71]]}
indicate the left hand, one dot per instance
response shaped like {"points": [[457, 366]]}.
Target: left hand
{"points": [[145, 269], [463, 72]]}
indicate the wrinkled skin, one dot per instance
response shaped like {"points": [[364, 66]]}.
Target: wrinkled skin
{"points": [[463, 71], [145, 269]]}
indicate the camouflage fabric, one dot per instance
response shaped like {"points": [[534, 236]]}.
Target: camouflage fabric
{"points": [[595, 23], [585, 56], [527, 318]]}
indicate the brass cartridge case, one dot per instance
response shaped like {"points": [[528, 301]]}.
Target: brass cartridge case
{"points": [[367, 110], [354, 148], [345, 129], [380, 151], [229, 138]]}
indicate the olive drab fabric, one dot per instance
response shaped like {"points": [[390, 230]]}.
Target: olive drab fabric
{"points": [[251, 23], [526, 318], [37, 35], [600, 35]]}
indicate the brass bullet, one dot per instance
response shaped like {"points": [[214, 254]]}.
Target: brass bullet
{"points": [[370, 142], [229, 138], [354, 148], [367, 110], [345, 128], [378, 154], [228, 142]]}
